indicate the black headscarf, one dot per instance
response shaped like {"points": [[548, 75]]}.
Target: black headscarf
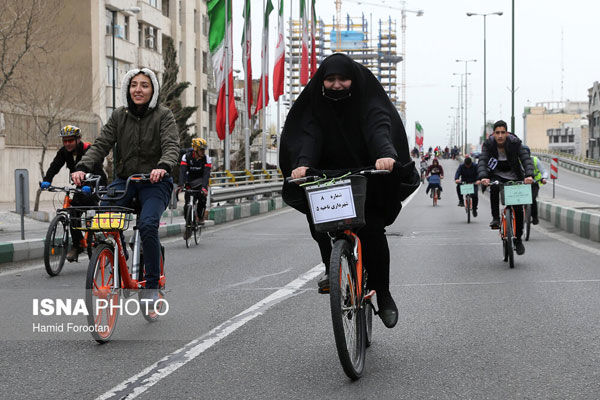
{"points": [[354, 131]]}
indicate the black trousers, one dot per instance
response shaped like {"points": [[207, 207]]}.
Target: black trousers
{"points": [[474, 196], [495, 203], [201, 203], [375, 250]]}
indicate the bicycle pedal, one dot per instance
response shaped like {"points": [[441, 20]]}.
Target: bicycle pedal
{"points": [[323, 290]]}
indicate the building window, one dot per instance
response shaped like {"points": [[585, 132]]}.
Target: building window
{"points": [[204, 100], [204, 62], [556, 139], [195, 96], [150, 37], [195, 21], [571, 138], [126, 27], [205, 25], [165, 8], [153, 3], [195, 58], [109, 17], [140, 35], [181, 54], [204, 132], [180, 13]]}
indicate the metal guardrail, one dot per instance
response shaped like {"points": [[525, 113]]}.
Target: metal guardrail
{"points": [[246, 177], [568, 161], [585, 162], [219, 194]]}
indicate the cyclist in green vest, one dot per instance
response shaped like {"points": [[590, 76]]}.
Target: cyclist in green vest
{"points": [[540, 176]]}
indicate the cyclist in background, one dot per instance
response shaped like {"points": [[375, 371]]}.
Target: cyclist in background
{"points": [[502, 156], [194, 173], [467, 173], [71, 152], [435, 169], [540, 176]]}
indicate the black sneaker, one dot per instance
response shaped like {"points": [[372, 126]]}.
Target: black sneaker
{"points": [[461, 204], [519, 248], [324, 284], [474, 212], [388, 312], [535, 220], [495, 224]]}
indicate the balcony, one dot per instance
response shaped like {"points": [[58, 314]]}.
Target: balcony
{"points": [[124, 50], [150, 59], [150, 15]]}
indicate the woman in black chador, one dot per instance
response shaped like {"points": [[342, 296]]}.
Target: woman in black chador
{"points": [[343, 119]]}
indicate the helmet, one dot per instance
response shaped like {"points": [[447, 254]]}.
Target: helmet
{"points": [[199, 143], [527, 149], [70, 130]]}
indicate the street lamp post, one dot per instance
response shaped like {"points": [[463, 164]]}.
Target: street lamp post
{"points": [[419, 13], [466, 94], [484, 67], [134, 10]]}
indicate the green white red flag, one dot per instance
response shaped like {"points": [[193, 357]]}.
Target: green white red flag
{"points": [[418, 134], [304, 56], [264, 55], [313, 46], [246, 51], [219, 39], [279, 69]]}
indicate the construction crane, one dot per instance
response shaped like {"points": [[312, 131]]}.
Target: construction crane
{"points": [[404, 11]]}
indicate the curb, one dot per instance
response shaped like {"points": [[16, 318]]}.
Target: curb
{"points": [[572, 220], [31, 249]]}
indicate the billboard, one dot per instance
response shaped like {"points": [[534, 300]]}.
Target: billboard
{"points": [[350, 40]]}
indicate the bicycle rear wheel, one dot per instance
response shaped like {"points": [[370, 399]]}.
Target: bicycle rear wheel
{"points": [[100, 293], [56, 244], [155, 312], [346, 313], [509, 238], [197, 228], [527, 221], [435, 197], [368, 310]]}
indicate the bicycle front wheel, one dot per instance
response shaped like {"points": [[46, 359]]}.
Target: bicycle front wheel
{"points": [[527, 221], [509, 238], [56, 244], [346, 313], [189, 220], [100, 293], [368, 323], [468, 208]]}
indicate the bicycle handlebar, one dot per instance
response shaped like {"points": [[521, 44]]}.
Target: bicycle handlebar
{"points": [[320, 174], [112, 194]]}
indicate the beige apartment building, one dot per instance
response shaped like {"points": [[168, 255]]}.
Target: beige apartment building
{"points": [[549, 117], [85, 61]]}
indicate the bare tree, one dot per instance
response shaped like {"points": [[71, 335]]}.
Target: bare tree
{"points": [[52, 100], [26, 33]]}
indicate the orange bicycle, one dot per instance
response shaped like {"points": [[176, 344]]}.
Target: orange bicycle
{"points": [[109, 277], [337, 208], [56, 243]]}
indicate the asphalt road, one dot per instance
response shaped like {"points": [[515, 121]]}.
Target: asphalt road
{"points": [[573, 186], [246, 322]]}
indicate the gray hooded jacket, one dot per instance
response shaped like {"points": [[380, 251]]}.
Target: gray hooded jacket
{"points": [[144, 142]]}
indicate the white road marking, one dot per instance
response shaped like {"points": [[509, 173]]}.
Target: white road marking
{"points": [[138, 384], [577, 190]]}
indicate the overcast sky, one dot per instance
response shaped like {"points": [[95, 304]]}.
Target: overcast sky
{"points": [[444, 33]]}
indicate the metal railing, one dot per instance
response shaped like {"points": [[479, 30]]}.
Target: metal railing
{"points": [[584, 161], [229, 186], [571, 161]]}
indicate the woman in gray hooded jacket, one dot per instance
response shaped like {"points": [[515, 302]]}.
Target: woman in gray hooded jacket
{"points": [[147, 142]]}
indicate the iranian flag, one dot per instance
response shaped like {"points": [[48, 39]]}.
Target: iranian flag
{"points": [[313, 47], [278, 70], [264, 54], [418, 134], [220, 32], [246, 47], [304, 57]]}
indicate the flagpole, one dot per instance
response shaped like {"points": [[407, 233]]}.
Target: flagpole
{"points": [[290, 60], [264, 104], [246, 97], [226, 155]]}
